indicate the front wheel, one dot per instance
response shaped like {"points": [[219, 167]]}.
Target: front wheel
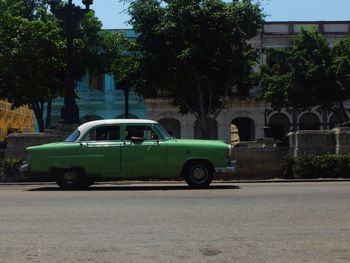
{"points": [[72, 179], [198, 175]]}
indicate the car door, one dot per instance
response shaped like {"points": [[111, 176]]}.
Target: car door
{"points": [[101, 148], [143, 154]]}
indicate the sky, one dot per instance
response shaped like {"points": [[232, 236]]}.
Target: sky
{"points": [[113, 15]]}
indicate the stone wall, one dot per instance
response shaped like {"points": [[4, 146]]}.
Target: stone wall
{"points": [[259, 161], [18, 142], [342, 140], [336, 141]]}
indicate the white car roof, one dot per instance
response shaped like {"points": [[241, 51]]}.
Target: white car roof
{"points": [[88, 125]]}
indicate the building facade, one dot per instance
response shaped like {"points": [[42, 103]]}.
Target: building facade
{"points": [[99, 98], [14, 120]]}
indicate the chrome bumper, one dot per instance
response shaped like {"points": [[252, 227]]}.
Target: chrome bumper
{"points": [[229, 169], [24, 167]]}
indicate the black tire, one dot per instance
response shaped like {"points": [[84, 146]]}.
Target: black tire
{"points": [[72, 179], [198, 174]]}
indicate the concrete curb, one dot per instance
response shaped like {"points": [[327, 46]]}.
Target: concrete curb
{"points": [[182, 182]]}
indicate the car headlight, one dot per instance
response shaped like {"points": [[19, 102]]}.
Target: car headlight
{"points": [[229, 152], [24, 167]]}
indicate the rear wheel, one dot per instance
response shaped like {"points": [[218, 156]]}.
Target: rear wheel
{"points": [[72, 179], [198, 174]]}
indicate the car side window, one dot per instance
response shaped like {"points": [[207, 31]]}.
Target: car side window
{"points": [[139, 132], [104, 133]]}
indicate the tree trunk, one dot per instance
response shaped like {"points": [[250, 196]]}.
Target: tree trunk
{"points": [[207, 131], [203, 112], [48, 114], [38, 112], [126, 102]]}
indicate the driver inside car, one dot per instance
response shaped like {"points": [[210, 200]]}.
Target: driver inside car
{"points": [[134, 133]]}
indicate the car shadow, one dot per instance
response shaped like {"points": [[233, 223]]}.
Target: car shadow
{"points": [[134, 188]]}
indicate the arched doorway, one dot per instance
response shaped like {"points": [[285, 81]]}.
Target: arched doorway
{"points": [[309, 121], [280, 125], [333, 121], [213, 130], [172, 126], [246, 128]]}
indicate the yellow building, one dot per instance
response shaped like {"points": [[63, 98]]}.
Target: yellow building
{"points": [[19, 120]]}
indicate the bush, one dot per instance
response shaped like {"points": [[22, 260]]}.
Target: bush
{"points": [[10, 170], [317, 166]]}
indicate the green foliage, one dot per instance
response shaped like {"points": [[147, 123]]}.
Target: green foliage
{"points": [[31, 55], [317, 166], [85, 46], [10, 169], [195, 51], [341, 65], [120, 58], [308, 74]]}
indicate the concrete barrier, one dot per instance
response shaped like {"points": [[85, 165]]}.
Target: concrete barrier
{"points": [[336, 141], [342, 140], [259, 161], [18, 142]]}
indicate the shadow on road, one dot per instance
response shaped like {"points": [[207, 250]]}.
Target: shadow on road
{"points": [[136, 188]]}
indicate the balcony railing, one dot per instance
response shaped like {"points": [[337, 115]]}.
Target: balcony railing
{"points": [[99, 96], [91, 96], [133, 96]]}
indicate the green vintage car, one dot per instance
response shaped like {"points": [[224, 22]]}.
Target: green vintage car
{"points": [[129, 149]]}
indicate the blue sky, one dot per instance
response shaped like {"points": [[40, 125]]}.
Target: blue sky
{"points": [[112, 12]]}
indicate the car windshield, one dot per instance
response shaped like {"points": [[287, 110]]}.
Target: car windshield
{"points": [[73, 136], [162, 132]]}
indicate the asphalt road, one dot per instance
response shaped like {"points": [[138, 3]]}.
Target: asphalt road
{"points": [[266, 222]]}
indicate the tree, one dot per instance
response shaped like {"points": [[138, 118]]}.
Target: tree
{"points": [[120, 58], [31, 62], [34, 57], [195, 51], [341, 69], [81, 34], [305, 75]]}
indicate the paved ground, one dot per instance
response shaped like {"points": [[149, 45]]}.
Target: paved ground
{"points": [[276, 222]]}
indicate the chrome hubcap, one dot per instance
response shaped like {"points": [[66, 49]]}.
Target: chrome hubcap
{"points": [[69, 176], [199, 174]]}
